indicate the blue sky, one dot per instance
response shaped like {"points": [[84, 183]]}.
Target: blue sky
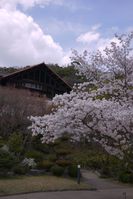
{"points": [[50, 29], [66, 22]]}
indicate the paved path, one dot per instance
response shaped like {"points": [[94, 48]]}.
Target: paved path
{"points": [[102, 183], [101, 194], [107, 189]]}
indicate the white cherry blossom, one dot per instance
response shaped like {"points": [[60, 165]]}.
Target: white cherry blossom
{"points": [[100, 109]]}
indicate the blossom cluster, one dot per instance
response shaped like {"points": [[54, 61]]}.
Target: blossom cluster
{"points": [[29, 162]]}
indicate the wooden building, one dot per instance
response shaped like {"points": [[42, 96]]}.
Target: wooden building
{"points": [[38, 78]]}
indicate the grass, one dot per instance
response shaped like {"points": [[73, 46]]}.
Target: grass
{"points": [[27, 184]]}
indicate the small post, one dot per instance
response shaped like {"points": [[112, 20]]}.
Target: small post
{"points": [[125, 195], [78, 174]]}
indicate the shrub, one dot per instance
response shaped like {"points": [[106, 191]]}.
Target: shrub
{"points": [[36, 155], [20, 169], [45, 164], [38, 145], [7, 162], [63, 163], [2, 142], [63, 151], [94, 162], [105, 172], [51, 157], [72, 171], [86, 158], [126, 177], [57, 170], [15, 143], [64, 138]]}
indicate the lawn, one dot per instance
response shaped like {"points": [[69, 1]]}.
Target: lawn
{"points": [[28, 184]]}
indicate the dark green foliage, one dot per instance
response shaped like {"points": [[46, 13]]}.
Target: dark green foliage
{"points": [[62, 156], [63, 151], [87, 158], [51, 157], [38, 145], [15, 142], [63, 146], [63, 163], [20, 169], [36, 155], [2, 142], [72, 171], [94, 162], [57, 170], [105, 172], [45, 164], [7, 161], [125, 176], [67, 73], [110, 167]]}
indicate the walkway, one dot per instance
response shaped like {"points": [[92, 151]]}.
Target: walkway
{"points": [[102, 183], [101, 194]]}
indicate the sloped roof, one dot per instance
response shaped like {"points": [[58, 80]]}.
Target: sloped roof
{"points": [[31, 67]]}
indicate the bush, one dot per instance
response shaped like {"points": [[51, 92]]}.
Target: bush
{"points": [[38, 145], [45, 164], [51, 157], [86, 158], [105, 172], [72, 171], [36, 155], [2, 142], [57, 170], [20, 169], [94, 162], [126, 177], [7, 162], [63, 163], [63, 151], [15, 143]]}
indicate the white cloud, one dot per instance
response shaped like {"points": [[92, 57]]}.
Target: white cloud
{"points": [[93, 40], [88, 37], [23, 42], [100, 44]]}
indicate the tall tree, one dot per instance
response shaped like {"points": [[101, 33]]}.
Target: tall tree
{"points": [[100, 109]]}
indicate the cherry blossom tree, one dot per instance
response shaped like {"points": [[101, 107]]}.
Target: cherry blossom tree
{"points": [[100, 109]]}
